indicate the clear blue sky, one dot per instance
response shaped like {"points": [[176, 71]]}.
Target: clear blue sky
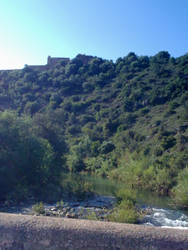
{"points": [[30, 30]]}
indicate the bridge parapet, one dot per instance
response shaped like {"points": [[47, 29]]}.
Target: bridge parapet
{"points": [[38, 233]]}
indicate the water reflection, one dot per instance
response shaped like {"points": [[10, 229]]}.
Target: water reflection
{"points": [[104, 186]]}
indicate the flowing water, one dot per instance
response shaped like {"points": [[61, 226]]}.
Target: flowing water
{"points": [[167, 218], [161, 212]]}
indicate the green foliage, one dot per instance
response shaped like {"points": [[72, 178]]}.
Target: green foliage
{"points": [[184, 115], [49, 126], [168, 142], [60, 204], [31, 107], [26, 160], [106, 147], [75, 187], [124, 215], [141, 173], [180, 191], [124, 120], [126, 211], [92, 216], [75, 162], [126, 195], [38, 208], [93, 164]]}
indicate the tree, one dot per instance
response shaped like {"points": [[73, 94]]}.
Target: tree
{"points": [[26, 161]]}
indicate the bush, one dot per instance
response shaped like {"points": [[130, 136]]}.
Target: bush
{"points": [[126, 195], [60, 204], [158, 151], [106, 147], [25, 158], [168, 142], [180, 191], [144, 111], [184, 114], [124, 215], [126, 211], [92, 216], [173, 105], [38, 208]]}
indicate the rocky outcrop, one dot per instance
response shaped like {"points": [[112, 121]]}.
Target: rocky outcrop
{"points": [[24, 232]]}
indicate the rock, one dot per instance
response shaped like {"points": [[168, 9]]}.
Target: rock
{"points": [[64, 210], [53, 209], [69, 215], [47, 213]]}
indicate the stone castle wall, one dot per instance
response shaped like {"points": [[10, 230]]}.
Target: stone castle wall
{"points": [[38, 67], [52, 61]]}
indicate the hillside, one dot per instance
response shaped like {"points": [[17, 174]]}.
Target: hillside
{"points": [[126, 120]]}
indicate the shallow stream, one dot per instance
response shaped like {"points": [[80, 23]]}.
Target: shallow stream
{"points": [[161, 212]]}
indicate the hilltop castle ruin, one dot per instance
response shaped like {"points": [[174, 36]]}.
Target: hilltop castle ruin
{"points": [[51, 62]]}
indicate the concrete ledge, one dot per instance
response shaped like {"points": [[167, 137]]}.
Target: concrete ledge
{"points": [[24, 232]]}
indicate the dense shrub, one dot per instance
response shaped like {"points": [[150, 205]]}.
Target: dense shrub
{"points": [[38, 208], [180, 191], [125, 211], [106, 147], [26, 160]]}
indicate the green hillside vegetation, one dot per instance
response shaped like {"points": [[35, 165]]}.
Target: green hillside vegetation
{"points": [[126, 120]]}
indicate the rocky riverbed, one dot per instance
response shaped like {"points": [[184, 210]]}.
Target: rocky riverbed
{"points": [[96, 207]]}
